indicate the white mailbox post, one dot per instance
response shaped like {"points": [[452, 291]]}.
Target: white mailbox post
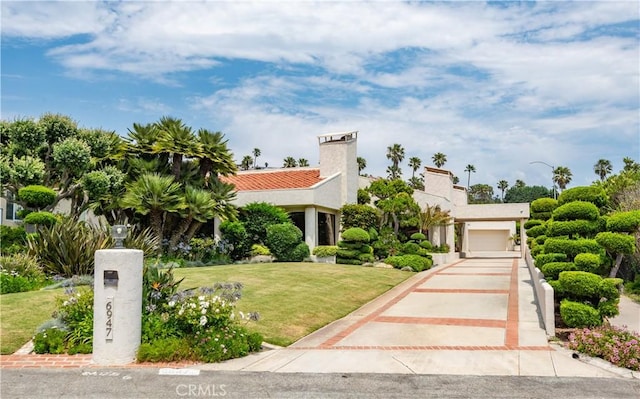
{"points": [[117, 305]]}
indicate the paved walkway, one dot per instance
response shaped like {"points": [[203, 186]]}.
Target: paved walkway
{"points": [[472, 317]]}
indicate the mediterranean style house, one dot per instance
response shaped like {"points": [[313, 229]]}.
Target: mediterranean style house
{"points": [[313, 197]]}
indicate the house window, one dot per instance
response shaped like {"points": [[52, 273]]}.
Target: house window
{"points": [[12, 208]]}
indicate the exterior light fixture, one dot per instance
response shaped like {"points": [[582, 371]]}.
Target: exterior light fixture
{"points": [[119, 233]]}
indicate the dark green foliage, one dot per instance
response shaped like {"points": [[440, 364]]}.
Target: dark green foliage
{"points": [[41, 218], [617, 243], [624, 222], [37, 196], [357, 215], [355, 234], [51, 340], [366, 258], [588, 262], [410, 248], [543, 259], [258, 216], [347, 253], [283, 240], [576, 210], [170, 349], [373, 234], [12, 239], [541, 215], [526, 194], [595, 195], [416, 262], [579, 315], [573, 228], [350, 245], [366, 249], [300, 252], [537, 250], [581, 286], [418, 237], [538, 230], [426, 244], [541, 239], [364, 197], [387, 244], [532, 222], [544, 205], [552, 270], [571, 248], [348, 261], [236, 235]]}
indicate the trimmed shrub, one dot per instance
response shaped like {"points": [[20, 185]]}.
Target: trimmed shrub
{"points": [[416, 262], [373, 234], [581, 286], [572, 228], [593, 194], [624, 222], [541, 215], [356, 215], [616, 243], [299, 253], [579, 315], [587, 262], [426, 244], [543, 259], [347, 253], [541, 239], [532, 222], [348, 261], [236, 235], [12, 239], [258, 216], [418, 237], [350, 245], [576, 210], [37, 196], [543, 205], [609, 297], [355, 234], [552, 270], [366, 249], [366, 258], [283, 240], [323, 251], [41, 218], [410, 248], [537, 250], [571, 247], [538, 230], [259, 250]]}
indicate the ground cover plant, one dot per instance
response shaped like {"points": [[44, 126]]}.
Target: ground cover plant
{"points": [[616, 345]]}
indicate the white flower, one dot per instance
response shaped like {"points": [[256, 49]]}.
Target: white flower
{"points": [[241, 315], [232, 316], [203, 311], [172, 304], [203, 320], [201, 298], [192, 305], [180, 312]]}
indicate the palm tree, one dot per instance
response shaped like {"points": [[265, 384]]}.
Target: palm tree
{"points": [[630, 165], [214, 155], [290, 162], [396, 154], [303, 162], [362, 163], [502, 185], [155, 195], [256, 154], [439, 159], [432, 216], [199, 207], [602, 168], [414, 164], [455, 179], [141, 140], [246, 162], [519, 184], [175, 138], [469, 169], [562, 176], [222, 194]]}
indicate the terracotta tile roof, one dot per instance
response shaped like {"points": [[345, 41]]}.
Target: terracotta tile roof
{"points": [[281, 179]]}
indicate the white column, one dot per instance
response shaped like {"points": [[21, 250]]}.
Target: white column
{"points": [[117, 306], [523, 238], [434, 235], [310, 226], [465, 239], [216, 227], [450, 237]]}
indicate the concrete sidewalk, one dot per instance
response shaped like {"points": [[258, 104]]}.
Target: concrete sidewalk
{"points": [[472, 317]]}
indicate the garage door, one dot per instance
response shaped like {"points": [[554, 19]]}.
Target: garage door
{"points": [[488, 240]]}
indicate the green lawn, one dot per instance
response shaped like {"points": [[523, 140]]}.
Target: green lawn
{"points": [[294, 299]]}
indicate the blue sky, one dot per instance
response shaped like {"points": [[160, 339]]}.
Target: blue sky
{"points": [[497, 85]]}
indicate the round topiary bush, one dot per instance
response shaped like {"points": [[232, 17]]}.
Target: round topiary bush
{"points": [[579, 315], [299, 253], [580, 285], [543, 259], [571, 248], [572, 228], [410, 248], [323, 251], [532, 222], [595, 195], [587, 262], [41, 218], [544, 205], [416, 262], [538, 230], [37, 196], [624, 222], [576, 210], [552, 270], [282, 240], [426, 244], [355, 234], [418, 237]]}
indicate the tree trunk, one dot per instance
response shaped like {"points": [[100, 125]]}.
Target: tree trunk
{"points": [[614, 269], [193, 229], [178, 232], [155, 217], [396, 223], [177, 164]]}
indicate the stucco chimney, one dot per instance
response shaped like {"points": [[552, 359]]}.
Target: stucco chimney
{"points": [[338, 154]]}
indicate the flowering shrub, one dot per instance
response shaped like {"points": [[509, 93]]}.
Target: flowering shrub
{"points": [[616, 345]]}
